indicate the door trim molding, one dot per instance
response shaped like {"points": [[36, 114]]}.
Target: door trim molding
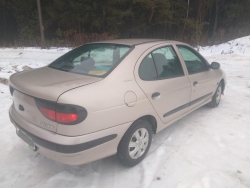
{"points": [[187, 105]]}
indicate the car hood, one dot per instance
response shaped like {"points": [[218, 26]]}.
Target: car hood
{"points": [[48, 83]]}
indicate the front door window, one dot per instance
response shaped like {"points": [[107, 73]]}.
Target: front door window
{"points": [[167, 63], [194, 62]]}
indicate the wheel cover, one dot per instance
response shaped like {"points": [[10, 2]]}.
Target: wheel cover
{"points": [[138, 143], [218, 94]]}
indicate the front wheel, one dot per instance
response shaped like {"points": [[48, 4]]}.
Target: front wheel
{"points": [[216, 98], [135, 143]]}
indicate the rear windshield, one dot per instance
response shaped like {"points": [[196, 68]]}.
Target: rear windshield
{"points": [[92, 59]]}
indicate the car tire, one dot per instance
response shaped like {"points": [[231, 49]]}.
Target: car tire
{"points": [[216, 97], [135, 143]]}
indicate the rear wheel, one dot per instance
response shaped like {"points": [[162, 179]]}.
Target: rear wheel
{"points": [[135, 143], [216, 98]]}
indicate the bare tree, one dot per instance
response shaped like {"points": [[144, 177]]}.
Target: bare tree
{"points": [[186, 20], [41, 23]]}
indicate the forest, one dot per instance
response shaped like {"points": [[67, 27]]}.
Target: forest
{"points": [[72, 23]]}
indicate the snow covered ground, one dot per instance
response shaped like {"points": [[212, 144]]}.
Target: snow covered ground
{"points": [[210, 148]]}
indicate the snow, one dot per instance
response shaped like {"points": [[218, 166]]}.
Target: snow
{"points": [[239, 46], [12, 60], [209, 148]]}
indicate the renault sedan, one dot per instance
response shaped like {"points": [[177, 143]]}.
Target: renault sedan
{"points": [[109, 97]]}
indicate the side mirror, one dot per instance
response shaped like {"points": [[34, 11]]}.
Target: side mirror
{"points": [[215, 65]]}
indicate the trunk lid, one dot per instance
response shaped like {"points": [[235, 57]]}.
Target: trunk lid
{"points": [[48, 83], [44, 83]]}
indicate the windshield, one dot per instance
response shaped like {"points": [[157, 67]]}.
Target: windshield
{"points": [[92, 59]]}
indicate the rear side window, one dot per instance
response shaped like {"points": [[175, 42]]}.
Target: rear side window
{"points": [[195, 63], [147, 69], [92, 59], [162, 63], [167, 63]]}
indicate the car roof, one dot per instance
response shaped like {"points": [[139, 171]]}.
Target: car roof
{"points": [[134, 42]]}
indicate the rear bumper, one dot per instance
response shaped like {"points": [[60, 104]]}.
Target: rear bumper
{"points": [[71, 150]]}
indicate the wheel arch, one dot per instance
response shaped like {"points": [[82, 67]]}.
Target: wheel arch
{"points": [[147, 121], [151, 119]]}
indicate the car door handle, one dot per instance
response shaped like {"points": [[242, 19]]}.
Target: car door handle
{"points": [[195, 83], [155, 95]]}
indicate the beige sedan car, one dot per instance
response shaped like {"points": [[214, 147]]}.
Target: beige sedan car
{"points": [[109, 97]]}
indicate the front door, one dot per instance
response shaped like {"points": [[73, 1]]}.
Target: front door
{"points": [[202, 78], [160, 75]]}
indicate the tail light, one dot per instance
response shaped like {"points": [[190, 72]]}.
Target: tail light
{"points": [[61, 113]]}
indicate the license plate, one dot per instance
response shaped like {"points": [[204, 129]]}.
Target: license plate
{"points": [[26, 139]]}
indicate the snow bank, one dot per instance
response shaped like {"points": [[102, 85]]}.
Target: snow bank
{"points": [[239, 46]]}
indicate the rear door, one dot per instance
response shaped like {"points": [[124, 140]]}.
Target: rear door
{"points": [[202, 78], [160, 75]]}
